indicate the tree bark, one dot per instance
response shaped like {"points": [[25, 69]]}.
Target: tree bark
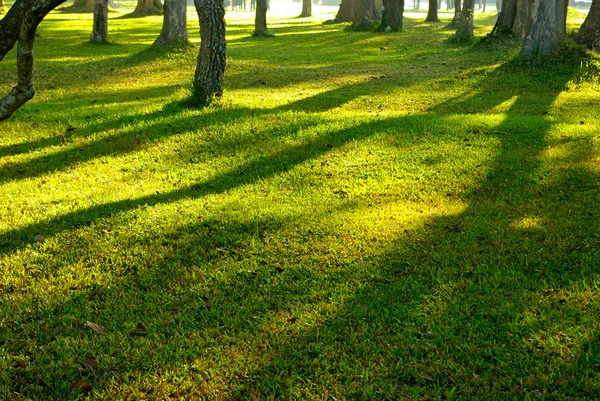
{"points": [[548, 25], [174, 29], [208, 79], [25, 21], [81, 6], [464, 31], [366, 14], [100, 28], [507, 17], [432, 13], [393, 15], [147, 7], [522, 19], [306, 9], [346, 11], [457, 11], [260, 21], [589, 33]]}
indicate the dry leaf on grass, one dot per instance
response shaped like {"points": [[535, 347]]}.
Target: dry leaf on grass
{"points": [[96, 327], [90, 364], [81, 386], [140, 330], [561, 381]]}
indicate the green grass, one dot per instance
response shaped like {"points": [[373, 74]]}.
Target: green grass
{"points": [[362, 216]]}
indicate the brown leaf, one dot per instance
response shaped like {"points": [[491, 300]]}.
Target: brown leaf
{"points": [[140, 330], [81, 386], [96, 327], [90, 364], [561, 381]]}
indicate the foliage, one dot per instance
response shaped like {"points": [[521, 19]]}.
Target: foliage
{"points": [[363, 216]]}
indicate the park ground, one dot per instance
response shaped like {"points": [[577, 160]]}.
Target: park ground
{"points": [[362, 216]]}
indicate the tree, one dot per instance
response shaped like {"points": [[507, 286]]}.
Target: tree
{"points": [[19, 26], [81, 6], [432, 13], [393, 15], [346, 11], [306, 9], [366, 14], [589, 33], [147, 7], [260, 22], [457, 11], [464, 31], [174, 29], [548, 26], [100, 28], [208, 78], [515, 18]]}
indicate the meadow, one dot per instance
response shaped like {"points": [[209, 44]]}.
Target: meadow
{"points": [[362, 216]]}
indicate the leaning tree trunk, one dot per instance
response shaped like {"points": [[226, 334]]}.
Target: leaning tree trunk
{"points": [[393, 15], [366, 14], [464, 31], [174, 29], [346, 11], [457, 11], [548, 25], [432, 13], [25, 19], [147, 7], [100, 29], [306, 9], [589, 33], [208, 79], [260, 21]]}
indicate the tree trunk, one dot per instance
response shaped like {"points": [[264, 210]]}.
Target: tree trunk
{"points": [[147, 7], [522, 19], [464, 31], [80, 6], [457, 11], [589, 33], [346, 11], [306, 9], [260, 22], [548, 22], [507, 17], [174, 29], [393, 15], [432, 13], [100, 29], [366, 14], [24, 19], [208, 79]]}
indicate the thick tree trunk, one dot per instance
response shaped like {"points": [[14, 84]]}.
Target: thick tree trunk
{"points": [[306, 9], [174, 29], [393, 15], [366, 14], [548, 21], [147, 7], [589, 33], [346, 11], [457, 11], [100, 29], [522, 19], [81, 6], [208, 79], [25, 21], [464, 31], [260, 21], [432, 13], [507, 17]]}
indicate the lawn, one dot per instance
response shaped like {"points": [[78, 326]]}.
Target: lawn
{"points": [[363, 216]]}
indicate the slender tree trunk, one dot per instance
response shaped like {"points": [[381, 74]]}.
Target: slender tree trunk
{"points": [[366, 14], [548, 22], [457, 11], [25, 19], [432, 13], [174, 29], [306, 9], [346, 11], [208, 79], [100, 28], [393, 15], [464, 31], [589, 33], [260, 22]]}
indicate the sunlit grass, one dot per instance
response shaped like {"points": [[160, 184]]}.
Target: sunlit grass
{"points": [[362, 216]]}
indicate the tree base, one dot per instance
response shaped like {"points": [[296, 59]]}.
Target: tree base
{"points": [[143, 13], [77, 10]]}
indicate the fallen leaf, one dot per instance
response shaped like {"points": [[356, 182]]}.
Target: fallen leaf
{"points": [[90, 364], [39, 238], [97, 328], [81, 386], [140, 330], [561, 381]]}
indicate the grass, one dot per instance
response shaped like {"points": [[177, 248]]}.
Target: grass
{"points": [[363, 216]]}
